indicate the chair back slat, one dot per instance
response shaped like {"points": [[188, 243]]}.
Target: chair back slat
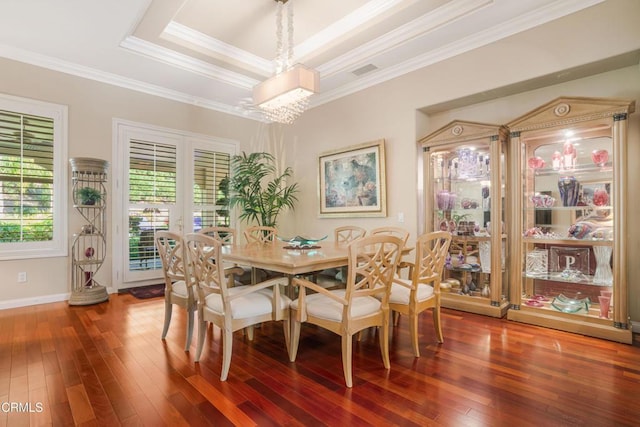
{"points": [[398, 232], [372, 264], [431, 253], [204, 256], [348, 233], [262, 235], [225, 235], [170, 250]]}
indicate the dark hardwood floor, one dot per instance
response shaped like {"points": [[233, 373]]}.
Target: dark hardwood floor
{"points": [[106, 365]]}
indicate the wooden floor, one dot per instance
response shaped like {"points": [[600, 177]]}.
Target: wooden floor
{"points": [[106, 365]]}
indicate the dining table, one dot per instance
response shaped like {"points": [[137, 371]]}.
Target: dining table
{"points": [[282, 257], [286, 259]]}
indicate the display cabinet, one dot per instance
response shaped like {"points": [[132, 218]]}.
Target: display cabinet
{"points": [[88, 251], [465, 186], [569, 179]]}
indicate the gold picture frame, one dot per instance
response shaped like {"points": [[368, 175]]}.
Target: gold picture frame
{"points": [[352, 181]]}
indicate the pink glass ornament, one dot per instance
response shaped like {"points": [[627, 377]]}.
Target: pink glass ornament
{"points": [[600, 197], [536, 162], [605, 303], [600, 157]]}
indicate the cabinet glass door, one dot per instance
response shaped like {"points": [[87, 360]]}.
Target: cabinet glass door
{"points": [[466, 187], [571, 171]]}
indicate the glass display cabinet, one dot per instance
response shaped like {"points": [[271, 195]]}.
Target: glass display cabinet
{"points": [[465, 187], [569, 180]]}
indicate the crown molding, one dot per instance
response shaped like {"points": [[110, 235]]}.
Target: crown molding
{"points": [[218, 47], [372, 9], [525, 22], [424, 24], [185, 62], [54, 64]]}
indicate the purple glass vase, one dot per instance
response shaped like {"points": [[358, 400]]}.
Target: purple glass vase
{"points": [[569, 188]]}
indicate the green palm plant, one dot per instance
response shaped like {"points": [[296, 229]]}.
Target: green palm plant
{"points": [[258, 190]]}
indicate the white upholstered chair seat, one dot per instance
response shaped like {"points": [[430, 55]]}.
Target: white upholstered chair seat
{"points": [[321, 306], [251, 305], [179, 288], [400, 294]]}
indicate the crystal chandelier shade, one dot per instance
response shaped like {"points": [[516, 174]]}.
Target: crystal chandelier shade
{"points": [[285, 96]]}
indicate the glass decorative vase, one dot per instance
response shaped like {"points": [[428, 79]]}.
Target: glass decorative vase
{"points": [[603, 274], [569, 188]]}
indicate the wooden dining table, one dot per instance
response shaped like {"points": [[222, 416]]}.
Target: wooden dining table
{"points": [[281, 258]]}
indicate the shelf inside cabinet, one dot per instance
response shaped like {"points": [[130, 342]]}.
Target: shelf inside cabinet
{"points": [[581, 279], [568, 241]]}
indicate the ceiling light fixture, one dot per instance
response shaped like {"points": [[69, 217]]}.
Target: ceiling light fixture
{"points": [[285, 96]]}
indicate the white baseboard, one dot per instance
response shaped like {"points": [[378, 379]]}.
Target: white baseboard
{"points": [[44, 299], [25, 302]]}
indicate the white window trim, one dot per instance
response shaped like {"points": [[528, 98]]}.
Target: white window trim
{"points": [[58, 246]]}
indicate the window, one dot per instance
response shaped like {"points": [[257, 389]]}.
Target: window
{"points": [[33, 179]]}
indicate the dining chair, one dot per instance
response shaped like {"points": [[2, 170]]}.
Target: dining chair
{"points": [[348, 233], [228, 308], [371, 265], [398, 232], [422, 290], [177, 289], [225, 235], [261, 234], [336, 277]]}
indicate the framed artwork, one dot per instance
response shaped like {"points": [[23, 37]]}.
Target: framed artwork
{"points": [[352, 181]]}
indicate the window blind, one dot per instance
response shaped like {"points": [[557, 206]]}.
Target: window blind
{"points": [[26, 177]]}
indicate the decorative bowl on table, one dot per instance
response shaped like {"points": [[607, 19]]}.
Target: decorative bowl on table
{"points": [[300, 242]]}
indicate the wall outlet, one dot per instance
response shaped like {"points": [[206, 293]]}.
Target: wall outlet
{"points": [[401, 217], [22, 277]]}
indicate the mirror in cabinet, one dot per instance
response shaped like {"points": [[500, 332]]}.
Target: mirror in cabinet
{"points": [[569, 176], [465, 186]]}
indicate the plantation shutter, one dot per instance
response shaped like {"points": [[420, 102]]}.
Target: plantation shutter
{"points": [[26, 177], [210, 189], [152, 194], [152, 173]]}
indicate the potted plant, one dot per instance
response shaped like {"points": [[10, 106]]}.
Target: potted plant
{"points": [[258, 190], [89, 196]]}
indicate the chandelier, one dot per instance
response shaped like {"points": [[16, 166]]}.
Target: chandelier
{"points": [[285, 96]]}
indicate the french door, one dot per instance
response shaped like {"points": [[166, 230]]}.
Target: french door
{"points": [[163, 180]]}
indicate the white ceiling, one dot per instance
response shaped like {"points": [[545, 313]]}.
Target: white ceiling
{"points": [[212, 52]]}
